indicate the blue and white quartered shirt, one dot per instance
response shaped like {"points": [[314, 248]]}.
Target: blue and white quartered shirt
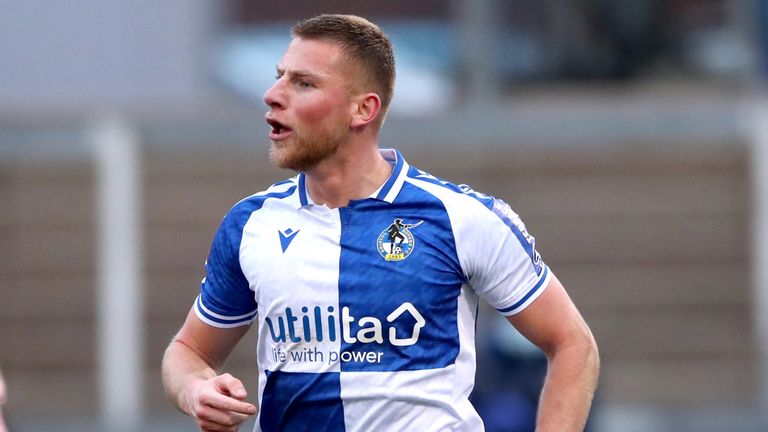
{"points": [[366, 314]]}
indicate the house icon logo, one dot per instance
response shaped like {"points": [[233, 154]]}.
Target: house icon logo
{"points": [[406, 307]]}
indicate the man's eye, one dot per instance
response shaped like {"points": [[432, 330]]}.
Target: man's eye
{"points": [[305, 84]]}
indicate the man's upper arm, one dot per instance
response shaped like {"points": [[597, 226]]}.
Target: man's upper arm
{"points": [[552, 320], [212, 344]]}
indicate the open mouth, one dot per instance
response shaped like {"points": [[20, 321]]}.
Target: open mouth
{"points": [[279, 130]]}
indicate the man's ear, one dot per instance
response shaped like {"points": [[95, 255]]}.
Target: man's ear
{"points": [[366, 109]]}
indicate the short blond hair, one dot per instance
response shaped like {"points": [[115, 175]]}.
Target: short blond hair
{"points": [[361, 41]]}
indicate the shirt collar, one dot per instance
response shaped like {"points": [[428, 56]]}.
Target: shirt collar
{"points": [[394, 183], [387, 192]]}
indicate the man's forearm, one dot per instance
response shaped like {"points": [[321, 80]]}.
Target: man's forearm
{"points": [[569, 388], [181, 365]]}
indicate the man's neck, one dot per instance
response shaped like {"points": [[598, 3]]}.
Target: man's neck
{"points": [[350, 174]]}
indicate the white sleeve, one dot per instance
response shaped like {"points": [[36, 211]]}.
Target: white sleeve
{"points": [[499, 257]]}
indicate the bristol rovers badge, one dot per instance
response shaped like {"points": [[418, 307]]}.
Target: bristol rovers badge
{"points": [[396, 242]]}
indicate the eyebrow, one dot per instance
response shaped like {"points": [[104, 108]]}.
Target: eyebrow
{"points": [[297, 73]]}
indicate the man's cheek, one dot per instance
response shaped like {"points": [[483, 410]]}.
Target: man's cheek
{"points": [[315, 113]]}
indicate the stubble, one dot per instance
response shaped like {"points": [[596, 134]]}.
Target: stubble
{"points": [[302, 154]]}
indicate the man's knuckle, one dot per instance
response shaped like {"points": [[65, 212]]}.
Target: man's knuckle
{"points": [[204, 398], [202, 412]]}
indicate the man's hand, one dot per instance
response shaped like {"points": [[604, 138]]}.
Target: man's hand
{"points": [[218, 404], [190, 372]]}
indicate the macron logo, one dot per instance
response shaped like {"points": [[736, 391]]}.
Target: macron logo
{"points": [[286, 237]]}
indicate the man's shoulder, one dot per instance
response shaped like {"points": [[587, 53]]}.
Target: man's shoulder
{"points": [[280, 190], [445, 189]]}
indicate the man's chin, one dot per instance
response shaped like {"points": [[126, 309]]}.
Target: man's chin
{"points": [[299, 155], [283, 158], [278, 156]]}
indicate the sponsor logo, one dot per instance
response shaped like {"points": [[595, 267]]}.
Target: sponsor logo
{"points": [[308, 325]]}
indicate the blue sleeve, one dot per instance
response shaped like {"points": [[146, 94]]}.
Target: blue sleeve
{"points": [[226, 299]]}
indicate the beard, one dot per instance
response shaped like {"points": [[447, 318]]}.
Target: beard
{"points": [[304, 153]]}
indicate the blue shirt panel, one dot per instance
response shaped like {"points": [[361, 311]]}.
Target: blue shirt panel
{"points": [[430, 278], [295, 401]]}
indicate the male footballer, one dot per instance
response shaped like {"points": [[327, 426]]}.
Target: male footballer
{"points": [[362, 326]]}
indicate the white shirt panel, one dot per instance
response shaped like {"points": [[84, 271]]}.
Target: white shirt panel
{"points": [[405, 401], [305, 275]]}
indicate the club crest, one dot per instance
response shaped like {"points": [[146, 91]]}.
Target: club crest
{"points": [[396, 242]]}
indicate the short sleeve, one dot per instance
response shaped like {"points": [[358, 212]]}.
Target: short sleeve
{"points": [[503, 265], [226, 299]]}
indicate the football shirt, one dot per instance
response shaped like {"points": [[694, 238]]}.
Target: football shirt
{"points": [[366, 313]]}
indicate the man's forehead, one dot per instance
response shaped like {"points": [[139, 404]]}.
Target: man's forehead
{"points": [[311, 50], [318, 58]]}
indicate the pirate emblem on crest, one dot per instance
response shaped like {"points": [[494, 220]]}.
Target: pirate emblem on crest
{"points": [[396, 242]]}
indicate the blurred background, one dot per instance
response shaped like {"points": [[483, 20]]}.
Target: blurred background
{"points": [[631, 136]]}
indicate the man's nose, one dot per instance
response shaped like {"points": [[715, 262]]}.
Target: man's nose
{"points": [[274, 97]]}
